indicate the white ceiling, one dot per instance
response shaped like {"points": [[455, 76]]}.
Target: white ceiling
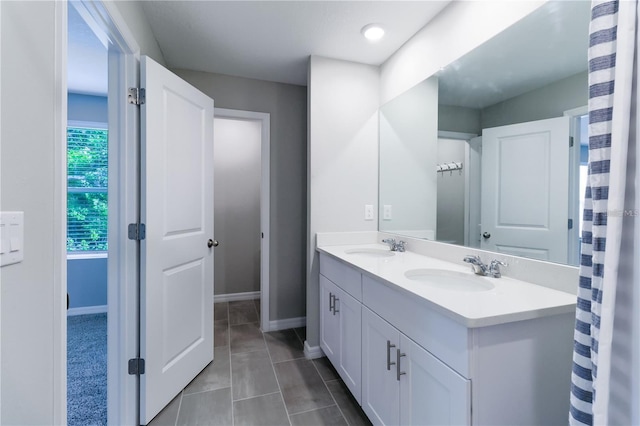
{"points": [[266, 40], [548, 45], [272, 40]]}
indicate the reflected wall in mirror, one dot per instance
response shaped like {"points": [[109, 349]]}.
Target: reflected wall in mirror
{"points": [[491, 152]]}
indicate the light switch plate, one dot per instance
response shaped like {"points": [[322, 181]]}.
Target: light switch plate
{"points": [[368, 212], [11, 237], [386, 212]]}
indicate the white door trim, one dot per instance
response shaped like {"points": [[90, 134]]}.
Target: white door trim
{"points": [[574, 184], [123, 273], [60, 218], [265, 191]]}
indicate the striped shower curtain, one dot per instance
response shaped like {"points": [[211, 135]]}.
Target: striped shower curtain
{"points": [[612, 45]]}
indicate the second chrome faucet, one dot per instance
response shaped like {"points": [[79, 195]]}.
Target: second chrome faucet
{"points": [[396, 246], [480, 268]]}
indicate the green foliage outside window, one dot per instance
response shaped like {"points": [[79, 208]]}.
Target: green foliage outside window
{"points": [[87, 170]]}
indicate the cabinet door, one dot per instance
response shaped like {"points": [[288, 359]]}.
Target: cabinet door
{"points": [[380, 387], [329, 321], [350, 360], [431, 393]]}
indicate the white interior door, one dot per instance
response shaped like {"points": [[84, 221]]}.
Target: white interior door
{"points": [[525, 189], [176, 300]]}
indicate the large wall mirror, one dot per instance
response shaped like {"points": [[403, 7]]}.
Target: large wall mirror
{"points": [[491, 152]]}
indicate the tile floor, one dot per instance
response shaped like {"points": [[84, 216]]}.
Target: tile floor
{"points": [[261, 379]]}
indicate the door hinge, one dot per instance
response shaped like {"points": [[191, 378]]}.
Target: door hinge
{"points": [[137, 231], [570, 223], [136, 366], [136, 96], [570, 141]]}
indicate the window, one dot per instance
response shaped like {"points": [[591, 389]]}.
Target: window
{"points": [[87, 187]]}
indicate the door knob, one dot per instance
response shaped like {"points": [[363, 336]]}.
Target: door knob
{"points": [[486, 235], [212, 243]]}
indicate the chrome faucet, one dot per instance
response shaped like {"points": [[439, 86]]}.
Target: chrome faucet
{"points": [[395, 246], [480, 268], [494, 268], [477, 265]]}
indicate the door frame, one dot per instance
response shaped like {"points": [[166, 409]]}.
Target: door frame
{"points": [[574, 183], [265, 191], [123, 188]]}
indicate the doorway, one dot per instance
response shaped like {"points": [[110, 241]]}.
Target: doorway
{"points": [[87, 219], [241, 164], [104, 22]]}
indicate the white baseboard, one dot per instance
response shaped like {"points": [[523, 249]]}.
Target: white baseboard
{"points": [[284, 324], [312, 352], [87, 310], [234, 297]]}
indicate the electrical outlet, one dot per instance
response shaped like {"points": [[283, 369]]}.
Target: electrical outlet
{"points": [[368, 212], [386, 212]]}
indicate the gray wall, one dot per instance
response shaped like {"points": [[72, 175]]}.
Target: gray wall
{"points": [[237, 179], [459, 119], [87, 282], [287, 105], [547, 102], [87, 108]]}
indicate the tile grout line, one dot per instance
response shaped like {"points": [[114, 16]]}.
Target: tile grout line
{"points": [[257, 396], [245, 352], [324, 382], [179, 407], [233, 417], [286, 410], [208, 390], [292, 359], [317, 409]]}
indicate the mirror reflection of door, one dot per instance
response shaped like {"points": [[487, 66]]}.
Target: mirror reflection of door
{"points": [[533, 70], [525, 189]]}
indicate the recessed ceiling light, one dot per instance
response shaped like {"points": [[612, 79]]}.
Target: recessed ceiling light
{"points": [[372, 32]]}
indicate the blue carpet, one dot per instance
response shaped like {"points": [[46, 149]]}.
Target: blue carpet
{"points": [[87, 370]]}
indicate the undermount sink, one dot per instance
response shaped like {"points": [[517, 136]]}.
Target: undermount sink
{"points": [[371, 252], [449, 280]]}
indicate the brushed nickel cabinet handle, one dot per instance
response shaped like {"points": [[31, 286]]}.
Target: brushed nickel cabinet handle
{"points": [[398, 372], [389, 363]]}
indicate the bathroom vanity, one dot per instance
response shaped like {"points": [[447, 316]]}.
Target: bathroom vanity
{"points": [[420, 340]]}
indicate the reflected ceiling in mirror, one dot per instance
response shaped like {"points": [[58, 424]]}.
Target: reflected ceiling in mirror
{"points": [[530, 75]]}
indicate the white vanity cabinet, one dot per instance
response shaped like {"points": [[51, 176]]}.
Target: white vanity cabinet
{"points": [[410, 361], [402, 383], [341, 322]]}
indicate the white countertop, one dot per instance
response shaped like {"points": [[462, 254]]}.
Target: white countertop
{"points": [[510, 300]]}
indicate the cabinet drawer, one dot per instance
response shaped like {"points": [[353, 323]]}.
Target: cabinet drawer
{"points": [[442, 336], [347, 278]]}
